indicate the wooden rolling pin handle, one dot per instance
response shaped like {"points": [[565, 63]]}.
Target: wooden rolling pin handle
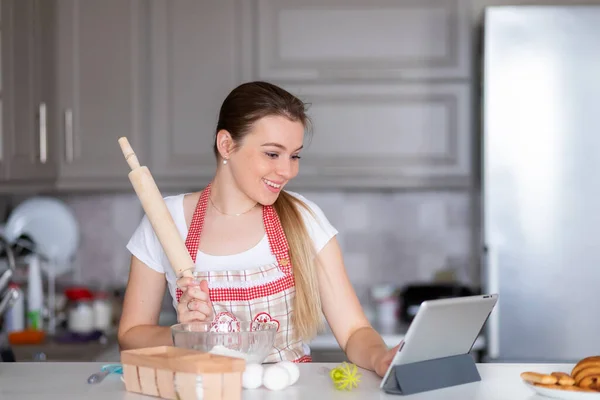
{"points": [[162, 222], [159, 216], [129, 154]]}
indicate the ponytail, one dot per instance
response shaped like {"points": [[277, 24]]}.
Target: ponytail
{"points": [[307, 316]]}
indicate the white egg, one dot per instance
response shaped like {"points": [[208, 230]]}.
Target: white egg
{"points": [[253, 376], [276, 377], [292, 369]]}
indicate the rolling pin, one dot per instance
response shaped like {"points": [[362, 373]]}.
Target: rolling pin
{"points": [[159, 216]]}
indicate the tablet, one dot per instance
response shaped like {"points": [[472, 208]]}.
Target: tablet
{"points": [[443, 328]]}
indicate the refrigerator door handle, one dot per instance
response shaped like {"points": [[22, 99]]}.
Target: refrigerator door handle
{"points": [[493, 286]]}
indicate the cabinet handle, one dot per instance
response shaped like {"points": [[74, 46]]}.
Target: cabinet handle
{"points": [[69, 135], [493, 337], [43, 134]]}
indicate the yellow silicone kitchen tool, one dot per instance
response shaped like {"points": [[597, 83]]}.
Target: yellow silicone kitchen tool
{"points": [[345, 376]]}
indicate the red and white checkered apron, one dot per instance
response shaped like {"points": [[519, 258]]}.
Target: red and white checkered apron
{"points": [[263, 294]]}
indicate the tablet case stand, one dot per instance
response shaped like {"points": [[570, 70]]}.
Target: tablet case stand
{"points": [[433, 374]]}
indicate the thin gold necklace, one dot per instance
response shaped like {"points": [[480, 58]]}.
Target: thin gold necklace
{"points": [[230, 215]]}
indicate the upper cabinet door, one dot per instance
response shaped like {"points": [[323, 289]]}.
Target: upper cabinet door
{"points": [[197, 58], [392, 136], [27, 92], [100, 89], [329, 40], [5, 45]]}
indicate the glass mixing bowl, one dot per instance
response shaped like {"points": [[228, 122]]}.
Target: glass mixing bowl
{"points": [[252, 341]]}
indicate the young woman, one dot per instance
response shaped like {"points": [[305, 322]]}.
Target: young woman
{"points": [[262, 253]]}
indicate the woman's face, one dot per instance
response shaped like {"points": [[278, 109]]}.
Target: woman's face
{"points": [[267, 158]]}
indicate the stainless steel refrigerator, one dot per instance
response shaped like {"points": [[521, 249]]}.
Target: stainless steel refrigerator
{"points": [[541, 181]]}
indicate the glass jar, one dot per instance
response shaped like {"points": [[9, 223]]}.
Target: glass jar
{"points": [[102, 312], [80, 310], [386, 303]]}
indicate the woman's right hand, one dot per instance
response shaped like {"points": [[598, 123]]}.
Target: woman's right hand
{"points": [[194, 304]]}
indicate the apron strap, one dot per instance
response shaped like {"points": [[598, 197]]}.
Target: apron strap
{"points": [[277, 240], [192, 241]]}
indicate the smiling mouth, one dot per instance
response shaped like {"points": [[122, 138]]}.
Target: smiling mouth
{"points": [[272, 184]]}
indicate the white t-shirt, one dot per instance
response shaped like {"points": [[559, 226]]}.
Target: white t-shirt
{"points": [[145, 246]]}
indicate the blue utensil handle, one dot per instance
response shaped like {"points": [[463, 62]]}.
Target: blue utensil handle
{"points": [[113, 368]]}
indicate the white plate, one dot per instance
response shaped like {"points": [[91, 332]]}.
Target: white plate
{"points": [[52, 226], [563, 394]]}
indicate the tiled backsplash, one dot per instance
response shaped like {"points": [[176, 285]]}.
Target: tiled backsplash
{"points": [[386, 237]]}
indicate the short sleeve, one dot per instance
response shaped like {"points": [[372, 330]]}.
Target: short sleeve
{"points": [[320, 230], [144, 245]]}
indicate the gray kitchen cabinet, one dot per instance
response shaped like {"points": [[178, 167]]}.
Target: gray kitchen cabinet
{"points": [[369, 41], [368, 133], [53, 351], [27, 90], [387, 136], [72, 83], [100, 90], [388, 82], [197, 58], [4, 67]]}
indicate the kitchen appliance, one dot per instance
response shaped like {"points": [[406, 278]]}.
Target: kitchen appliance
{"points": [[53, 231], [413, 295], [540, 185]]}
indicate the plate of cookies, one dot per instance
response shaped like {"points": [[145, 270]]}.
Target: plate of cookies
{"points": [[582, 382]]}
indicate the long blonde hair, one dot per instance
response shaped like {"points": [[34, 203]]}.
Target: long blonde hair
{"points": [[306, 318], [245, 105]]}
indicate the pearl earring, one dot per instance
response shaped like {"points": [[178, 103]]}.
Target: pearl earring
{"points": [[224, 162]]}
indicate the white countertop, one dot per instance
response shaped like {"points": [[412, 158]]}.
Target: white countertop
{"points": [[60, 381]]}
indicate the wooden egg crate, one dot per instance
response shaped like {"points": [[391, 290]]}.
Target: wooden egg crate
{"points": [[176, 373]]}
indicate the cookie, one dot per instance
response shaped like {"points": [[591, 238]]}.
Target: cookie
{"points": [[562, 387], [535, 377], [564, 379]]}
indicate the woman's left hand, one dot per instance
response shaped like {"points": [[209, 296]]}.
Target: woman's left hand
{"points": [[383, 362]]}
